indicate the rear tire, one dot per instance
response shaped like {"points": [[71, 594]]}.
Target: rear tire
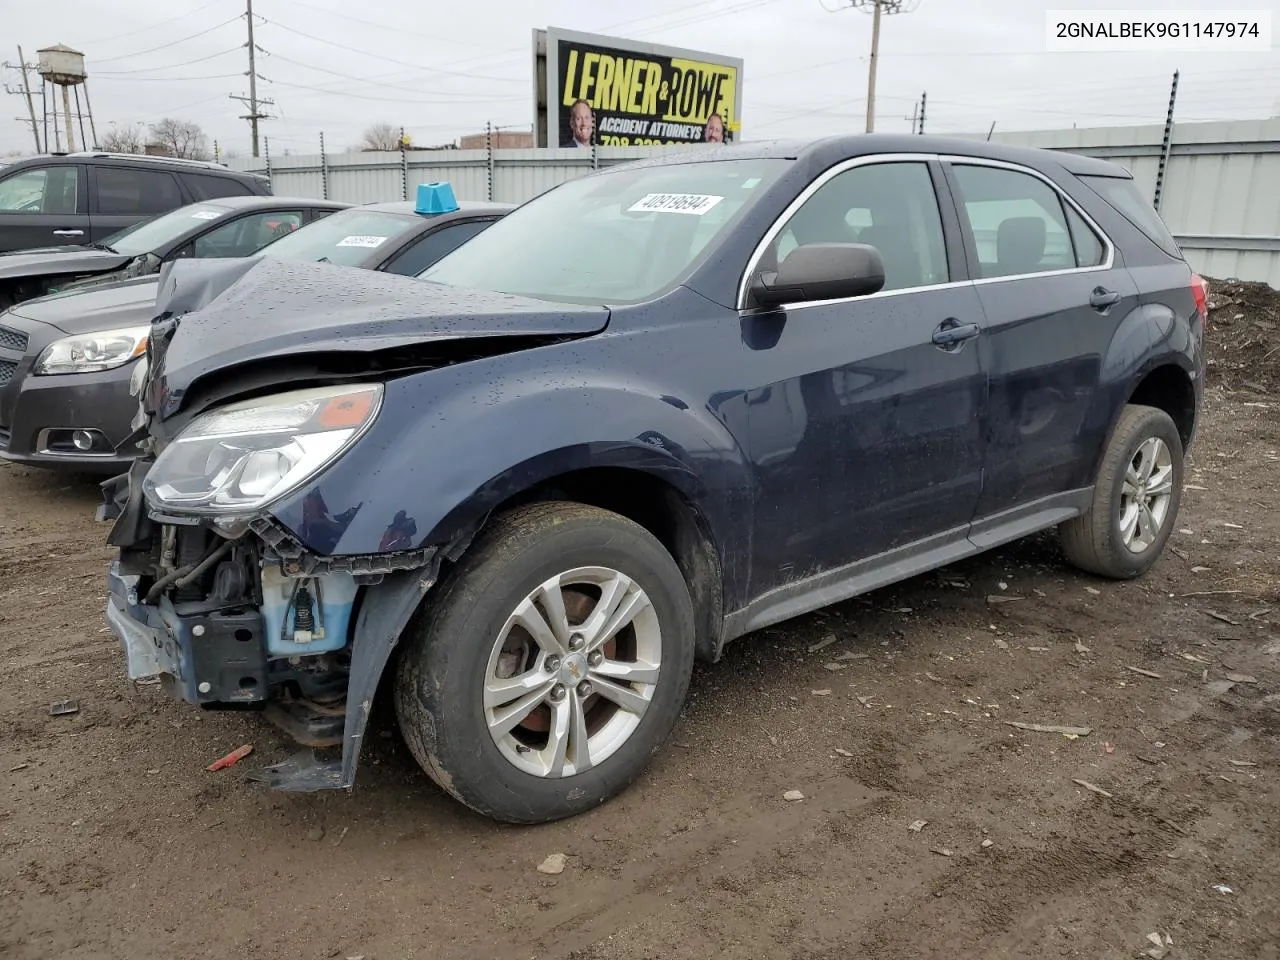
{"points": [[521, 628], [1135, 498]]}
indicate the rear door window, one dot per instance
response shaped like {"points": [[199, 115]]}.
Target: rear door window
{"points": [[247, 235], [126, 191], [1019, 223], [49, 190]]}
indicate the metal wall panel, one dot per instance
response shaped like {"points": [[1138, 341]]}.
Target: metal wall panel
{"points": [[1220, 198]]}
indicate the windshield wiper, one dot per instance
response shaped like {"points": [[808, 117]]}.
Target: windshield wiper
{"points": [[103, 246]]}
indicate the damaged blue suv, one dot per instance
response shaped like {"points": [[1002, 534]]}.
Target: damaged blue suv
{"points": [[653, 410]]}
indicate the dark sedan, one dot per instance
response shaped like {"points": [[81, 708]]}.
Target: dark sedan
{"points": [[226, 227], [66, 359]]}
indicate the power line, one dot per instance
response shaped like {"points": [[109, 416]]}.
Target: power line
{"points": [[171, 43], [169, 66], [162, 23], [348, 76], [385, 99], [212, 76], [383, 56]]}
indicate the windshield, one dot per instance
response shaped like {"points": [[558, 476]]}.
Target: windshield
{"points": [[619, 237], [147, 236], [346, 237]]}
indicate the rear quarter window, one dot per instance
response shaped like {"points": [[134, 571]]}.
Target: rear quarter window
{"points": [[208, 187], [1122, 193]]}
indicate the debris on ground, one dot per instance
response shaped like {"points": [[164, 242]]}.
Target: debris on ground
{"points": [[1093, 787], [843, 752], [833, 667], [63, 707], [553, 865], [822, 644], [918, 825], [987, 843], [21, 766], [1241, 678], [1109, 747], [1081, 648], [850, 655], [1051, 728], [231, 759], [941, 851], [821, 693], [1223, 888], [1242, 763], [1002, 644], [791, 796], [1145, 673]]}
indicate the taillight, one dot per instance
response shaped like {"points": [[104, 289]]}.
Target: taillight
{"points": [[1200, 291]]}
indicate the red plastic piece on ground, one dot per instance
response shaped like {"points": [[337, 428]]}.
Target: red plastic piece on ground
{"points": [[232, 758]]}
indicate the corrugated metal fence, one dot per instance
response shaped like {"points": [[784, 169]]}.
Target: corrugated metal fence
{"points": [[1220, 197]]}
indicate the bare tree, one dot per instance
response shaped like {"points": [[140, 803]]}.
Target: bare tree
{"points": [[381, 136], [127, 139], [181, 138]]}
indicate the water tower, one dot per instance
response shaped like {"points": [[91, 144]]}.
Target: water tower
{"points": [[63, 67]]}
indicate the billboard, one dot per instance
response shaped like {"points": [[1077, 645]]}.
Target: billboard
{"points": [[605, 91]]}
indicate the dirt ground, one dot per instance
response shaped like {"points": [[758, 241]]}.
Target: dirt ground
{"points": [[116, 843]]}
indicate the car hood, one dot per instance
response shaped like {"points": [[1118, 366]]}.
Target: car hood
{"points": [[58, 260], [125, 304], [216, 315]]}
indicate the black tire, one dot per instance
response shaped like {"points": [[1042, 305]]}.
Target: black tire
{"points": [[1093, 541], [442, 669]]}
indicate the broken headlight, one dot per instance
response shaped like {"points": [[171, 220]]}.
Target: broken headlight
{"points": [[238, 458]]}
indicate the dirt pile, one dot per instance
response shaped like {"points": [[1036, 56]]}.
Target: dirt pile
{"points": [[1243, 336]]}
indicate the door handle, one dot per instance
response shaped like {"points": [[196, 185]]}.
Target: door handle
{"points": [[1101, 298], [952, 331], [68, 233]]}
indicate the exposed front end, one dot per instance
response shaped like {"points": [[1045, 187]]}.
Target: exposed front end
{"points": [[213, 597]]}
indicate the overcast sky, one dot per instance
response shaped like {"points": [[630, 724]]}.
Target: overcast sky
{"points": [[337, 66]]}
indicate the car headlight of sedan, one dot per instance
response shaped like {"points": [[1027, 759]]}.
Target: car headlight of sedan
{"points": [[93, 352], [239, 458]]}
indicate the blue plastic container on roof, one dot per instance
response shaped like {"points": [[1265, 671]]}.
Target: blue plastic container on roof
{"points": [[435, 198]]}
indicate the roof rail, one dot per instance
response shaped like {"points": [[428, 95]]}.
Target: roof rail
{"points": [[147, 157]]}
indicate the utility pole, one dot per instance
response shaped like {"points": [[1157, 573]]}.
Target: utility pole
{"points": [[878, 8], [26, 91], [252, 102], [924, 98]]}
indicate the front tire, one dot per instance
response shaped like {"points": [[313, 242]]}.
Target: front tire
{"points": [[1135, 498], [550, 665]]}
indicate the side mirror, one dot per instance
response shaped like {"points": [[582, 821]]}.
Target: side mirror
{"points": [[821, 271]]}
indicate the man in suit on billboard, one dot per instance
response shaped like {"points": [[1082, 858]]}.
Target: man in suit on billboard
{"points": [[582, 125]]}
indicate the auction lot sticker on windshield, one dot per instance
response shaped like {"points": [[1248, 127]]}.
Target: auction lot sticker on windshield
{"points": [[361, 241], [694, 203], [206, 215]]}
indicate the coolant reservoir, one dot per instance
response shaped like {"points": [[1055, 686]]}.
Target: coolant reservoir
{"points": [[332, 597]]}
